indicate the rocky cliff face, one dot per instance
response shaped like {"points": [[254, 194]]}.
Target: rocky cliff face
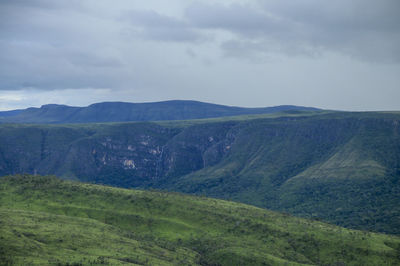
{"points": [[135, 154], [124, 155]]}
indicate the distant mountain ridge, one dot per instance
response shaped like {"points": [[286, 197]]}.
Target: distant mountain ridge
{"points": [[124, 112]]}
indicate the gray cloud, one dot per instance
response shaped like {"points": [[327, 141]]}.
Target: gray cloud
{"points": [[158, 27], [46, 4], [240, 19], [354, 15], [44, 66], [367, 30], [261, 51], [50, 45], [304, 52]]}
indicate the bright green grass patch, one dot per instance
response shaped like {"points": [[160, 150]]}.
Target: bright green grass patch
{"points": [[44, 220], [43, 238]]}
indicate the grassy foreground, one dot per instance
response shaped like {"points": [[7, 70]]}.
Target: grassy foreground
{"points": [[44, 220]]}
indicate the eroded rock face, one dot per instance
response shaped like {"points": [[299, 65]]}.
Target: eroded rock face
{"points": [[136, 154], [194, 148], [124, 155]]}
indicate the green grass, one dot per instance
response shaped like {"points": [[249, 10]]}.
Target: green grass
{"points": [[240, 118], [44, 220]]}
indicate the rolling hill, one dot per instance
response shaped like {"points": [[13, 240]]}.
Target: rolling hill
{"points": [[342, 168], [122, 112], [44, 220]]}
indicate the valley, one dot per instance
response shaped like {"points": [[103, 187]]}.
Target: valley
{"points": [[338, 167], [210, 133]]}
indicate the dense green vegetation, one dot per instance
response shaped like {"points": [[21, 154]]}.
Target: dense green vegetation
{"points": [[343, 168], [44, 220], [122, 111]]}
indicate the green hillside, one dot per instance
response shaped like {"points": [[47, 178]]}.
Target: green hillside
{"points": [[44, 220], [342, 168]]}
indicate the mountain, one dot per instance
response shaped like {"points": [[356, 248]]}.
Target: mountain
{"points": [[10, 113], [46, 221], [122, 112], [343, 168]]}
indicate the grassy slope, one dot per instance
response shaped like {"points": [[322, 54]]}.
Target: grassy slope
{"points": [[44, 220]]}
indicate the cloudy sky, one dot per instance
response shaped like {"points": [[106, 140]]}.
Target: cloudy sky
{"points": [[331, 54]]}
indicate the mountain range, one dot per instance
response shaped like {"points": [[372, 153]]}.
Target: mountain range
{"points": [[123, 111], [340, 167]]}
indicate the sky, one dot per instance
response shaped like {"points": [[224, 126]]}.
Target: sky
{"points": [[342, 55]]}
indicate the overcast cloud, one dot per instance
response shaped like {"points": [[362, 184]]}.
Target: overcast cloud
{"points": [[329, 54]]}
